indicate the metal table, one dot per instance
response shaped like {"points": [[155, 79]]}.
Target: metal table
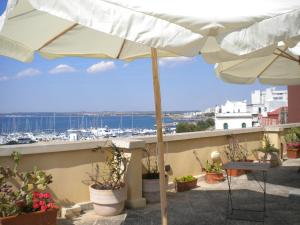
{"points": [[260, 167]]}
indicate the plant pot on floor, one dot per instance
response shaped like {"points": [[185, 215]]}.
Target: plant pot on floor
{"points": [[235, 172], [108, 202], [186, 185], [151, 189], [271, 158], [35, 218], [213, 178], [293, 153]]}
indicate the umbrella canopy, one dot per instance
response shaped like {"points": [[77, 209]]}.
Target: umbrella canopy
{"points": [[219, 30], [27, 30], [280, 68]]}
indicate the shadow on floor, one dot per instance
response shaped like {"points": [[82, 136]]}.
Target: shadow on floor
{"points": [[281, 175], [210, 208]]}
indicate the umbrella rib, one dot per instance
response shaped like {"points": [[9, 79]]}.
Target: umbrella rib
{"points": [[120, 51], [57, 36], [286, 55], [230, 67], [267, 66], [21, 14]]}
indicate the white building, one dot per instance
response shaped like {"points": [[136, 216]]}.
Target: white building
{"points": [[266, 101], [232, 115], [269, 100]]}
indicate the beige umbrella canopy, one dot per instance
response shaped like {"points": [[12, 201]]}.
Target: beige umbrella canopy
{"points": [[280, 68], [220, 30]]}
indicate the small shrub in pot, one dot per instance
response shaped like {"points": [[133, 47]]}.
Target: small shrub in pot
{"points": [[151, 188], [185, 183], [108, 190], [292, 139], [268, 153], [214, 173]]}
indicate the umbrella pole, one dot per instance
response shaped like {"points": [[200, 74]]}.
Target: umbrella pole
{"points": [[159, 134]]}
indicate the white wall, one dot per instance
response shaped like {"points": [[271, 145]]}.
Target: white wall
{"points": [[233, 122], [232, 107]]}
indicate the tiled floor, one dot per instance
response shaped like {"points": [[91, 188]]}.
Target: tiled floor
{"points": [[207, 204]]}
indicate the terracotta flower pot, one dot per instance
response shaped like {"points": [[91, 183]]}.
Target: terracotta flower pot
{"points": [[185, 186], [151, 189], [108, 202], [35, 218], [212, 178], [235, 172], [293, 153]]}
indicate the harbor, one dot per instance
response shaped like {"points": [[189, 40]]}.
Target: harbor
{"points": [[46, 127]]}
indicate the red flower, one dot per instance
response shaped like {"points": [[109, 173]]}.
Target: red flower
{"points": [[42, 203], [36, 194], [41, 195], [47, 195], [43, 208], [36, 206]]}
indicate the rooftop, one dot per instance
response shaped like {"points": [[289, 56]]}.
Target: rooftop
{"points": [[207, 204]]}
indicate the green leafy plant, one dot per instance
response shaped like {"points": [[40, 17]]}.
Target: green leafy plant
{"points": [[18, 199], [185, 178], [234, 151], [214, 167], [112, 177], [267, 148], [151, 166], [292, 138]]}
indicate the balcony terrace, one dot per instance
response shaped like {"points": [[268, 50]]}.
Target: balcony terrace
{"points": [[186, 154]]}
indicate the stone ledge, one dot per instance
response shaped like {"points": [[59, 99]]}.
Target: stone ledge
{"points": [[129, 143], [201, 134], [41, 148]]}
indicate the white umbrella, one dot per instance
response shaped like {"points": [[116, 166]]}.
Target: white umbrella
{"points": [[80, 27], [280, 68], [220, 30]]}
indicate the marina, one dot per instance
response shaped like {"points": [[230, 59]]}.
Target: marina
{"points": [[45, 127]]}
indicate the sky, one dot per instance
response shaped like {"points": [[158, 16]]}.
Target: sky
{"points": [[79, 84]]}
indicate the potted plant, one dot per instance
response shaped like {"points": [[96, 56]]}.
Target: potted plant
{"points": [[108, 190], [236, 153], [185, 183], [26, 202], [292, 139], [268, 153], [214, 173], [151, 180]]}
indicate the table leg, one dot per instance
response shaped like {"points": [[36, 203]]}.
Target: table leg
{"points": [[264, 180], [229, 199]]}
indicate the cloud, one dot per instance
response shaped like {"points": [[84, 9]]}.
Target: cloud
{"points": [[4, 78], [173, 61], [62, 68], [101, 67], [30, 72]]}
